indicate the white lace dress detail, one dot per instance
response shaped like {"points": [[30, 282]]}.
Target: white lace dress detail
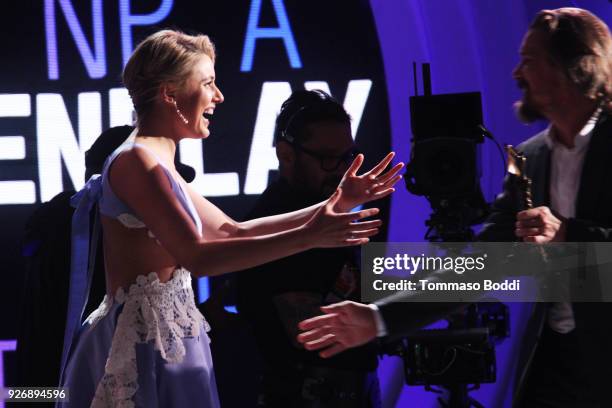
{"points": [[160, 313]]}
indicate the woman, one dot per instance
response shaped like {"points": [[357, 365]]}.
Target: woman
{"points": [[146, 345]]}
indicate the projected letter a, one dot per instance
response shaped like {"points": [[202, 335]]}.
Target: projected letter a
{"points": [[283, 31]]}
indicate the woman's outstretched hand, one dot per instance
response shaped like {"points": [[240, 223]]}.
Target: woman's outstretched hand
{"points": [[328, 228], [372, 185]]}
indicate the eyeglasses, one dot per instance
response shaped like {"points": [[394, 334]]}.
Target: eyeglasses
{"points": [[330, 162]]}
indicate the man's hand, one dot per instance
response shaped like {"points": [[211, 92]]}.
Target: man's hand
{"points": [[372, 185], [540, 225], [344, 325]]}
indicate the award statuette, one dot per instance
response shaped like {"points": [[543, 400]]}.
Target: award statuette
{"points": [[516, 167]]}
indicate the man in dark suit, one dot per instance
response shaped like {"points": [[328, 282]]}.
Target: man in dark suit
{"points": [[565, 73]]}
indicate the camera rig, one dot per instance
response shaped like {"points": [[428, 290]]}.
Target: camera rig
{"points": [[445, 168]]}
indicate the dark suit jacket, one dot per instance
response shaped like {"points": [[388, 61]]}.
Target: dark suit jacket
{"points": [[592, 223]]}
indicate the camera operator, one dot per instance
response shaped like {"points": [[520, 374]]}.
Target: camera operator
{"points": [[315, 149]]}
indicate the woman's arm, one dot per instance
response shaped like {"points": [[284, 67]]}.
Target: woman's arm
{"points": [[217, 224], [356, 190], [276, 223], [142, 184], [325, 229]]}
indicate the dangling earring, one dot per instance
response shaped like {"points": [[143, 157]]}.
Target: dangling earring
{"points": [[180, 114]]}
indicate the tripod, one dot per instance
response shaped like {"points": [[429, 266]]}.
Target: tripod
{"points": [[450, 222]]}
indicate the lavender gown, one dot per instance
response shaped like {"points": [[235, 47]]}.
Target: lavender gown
{"points": [[144, 347]]}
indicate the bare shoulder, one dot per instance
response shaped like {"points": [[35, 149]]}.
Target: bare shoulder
{"points": [[137, 171], [134, 159]]}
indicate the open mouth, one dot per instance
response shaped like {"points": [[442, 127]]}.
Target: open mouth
{"points": [[208, 114]]}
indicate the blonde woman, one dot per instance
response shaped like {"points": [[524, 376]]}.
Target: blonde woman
{"points": [[147, 344]]}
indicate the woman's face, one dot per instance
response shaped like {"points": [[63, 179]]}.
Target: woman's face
{"points": [[198, 98]]}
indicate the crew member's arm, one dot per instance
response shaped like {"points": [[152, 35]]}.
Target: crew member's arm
{"points": [[349, 324]]}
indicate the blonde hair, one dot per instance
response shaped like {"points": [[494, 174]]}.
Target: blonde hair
{"points": [[166, 56], [581, 44]]}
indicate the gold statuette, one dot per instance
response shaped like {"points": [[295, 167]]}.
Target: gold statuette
{"points": [[516, 166]]}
